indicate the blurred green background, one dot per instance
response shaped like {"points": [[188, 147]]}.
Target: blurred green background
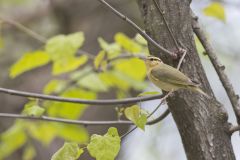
{"points": [[52, 17]]}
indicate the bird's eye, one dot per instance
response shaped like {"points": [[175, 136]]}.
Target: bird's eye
{"points": [[152, 59]]}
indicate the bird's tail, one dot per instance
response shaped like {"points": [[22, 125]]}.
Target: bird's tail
{"points": [[197, 89]]}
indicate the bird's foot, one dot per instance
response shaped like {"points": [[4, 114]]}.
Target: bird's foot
{"points": [[169, 94]]}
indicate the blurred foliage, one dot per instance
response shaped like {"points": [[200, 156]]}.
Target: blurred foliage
{"points": [[1, 43], [12, 139], [32, 109], [29, 152], [28, 62], [114, 68], [13, 2], [69, 110], [148, 93], [216, 10]]}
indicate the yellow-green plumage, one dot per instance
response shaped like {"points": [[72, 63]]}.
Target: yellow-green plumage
{"points": [[168, 78]]}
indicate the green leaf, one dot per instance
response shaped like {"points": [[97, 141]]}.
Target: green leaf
{"points": [[216, 10], [135, 115], [112, 49], [1, 41], [148, 93], [32, 109], [72, 133], [46, 132], [81, 73], [29, 61], [133, 83], [54, 86], [69, 110], [12, 139], [61, 46], [141, 122], [100, 59], [14, 2], [140, 39], [199, 46], [69, 151], [105, 147], [127, 43], [134, 68], [93, 82], [111, 80], [68, 64], [68, 132], [120, 94], [42, 131], [29, 153]]}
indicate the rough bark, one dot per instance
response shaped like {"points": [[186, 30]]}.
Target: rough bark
{"points": [[202, 123]]}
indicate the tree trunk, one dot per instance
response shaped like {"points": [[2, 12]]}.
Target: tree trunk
{"points": [[202, 122]]}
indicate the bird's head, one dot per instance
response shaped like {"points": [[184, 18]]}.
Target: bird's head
{"points": [[152, 61]]}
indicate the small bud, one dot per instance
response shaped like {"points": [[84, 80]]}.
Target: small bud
{"points": [[195, 18], [205, 53], [237, 96], [222, 67], [175, 56]]}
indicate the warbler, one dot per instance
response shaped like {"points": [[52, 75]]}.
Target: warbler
{"points": [[169, 78]]}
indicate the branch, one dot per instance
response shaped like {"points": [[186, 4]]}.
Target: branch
{"points": [[234, 129], [79, 122], [137, 28], [24, 29], [233, 97], [80, 101], [166, 24], [72, 100], [126, 56], [160, 118]]}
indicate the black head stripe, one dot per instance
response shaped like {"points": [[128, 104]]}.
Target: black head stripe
{"points": [[152, 58]]}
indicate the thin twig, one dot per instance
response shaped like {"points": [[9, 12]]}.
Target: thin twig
{"points": [[160, 118], [24, 29], [165, 21], [82, 52], [126, 56], [181, 59], [37, 36], [233, 97], [128, 132], [79, 122], [52, 119], [73, 82], [137, 28], [80, 101]]}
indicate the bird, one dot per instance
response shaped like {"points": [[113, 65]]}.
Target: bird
{"points": [[169, 78]]}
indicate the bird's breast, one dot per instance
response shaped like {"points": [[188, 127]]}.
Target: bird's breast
{"points": [[161, 84]]}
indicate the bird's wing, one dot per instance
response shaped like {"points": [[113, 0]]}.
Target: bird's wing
{"points": [[168, 74]]}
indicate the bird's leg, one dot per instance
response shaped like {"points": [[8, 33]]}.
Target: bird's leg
{"points": [[181, 52], [167, 95], [181, 59]]}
